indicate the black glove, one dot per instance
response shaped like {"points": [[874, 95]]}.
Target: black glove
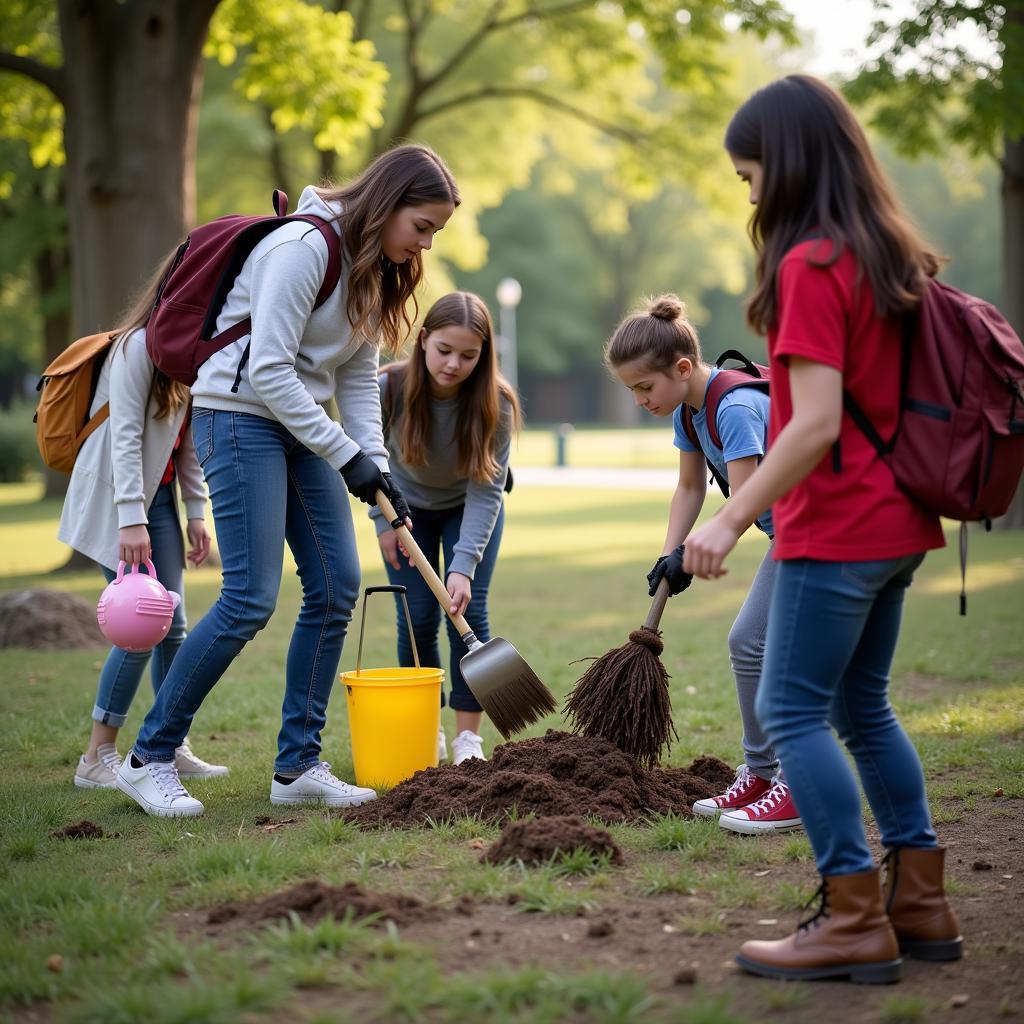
{"points": [[363, 479], [402, 510], [670, 567]]}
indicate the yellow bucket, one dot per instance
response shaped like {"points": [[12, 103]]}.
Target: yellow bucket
{"points": [[394, 715]]}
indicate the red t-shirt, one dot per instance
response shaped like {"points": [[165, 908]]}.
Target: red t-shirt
{"points": [[169, 471], [857, 514]]}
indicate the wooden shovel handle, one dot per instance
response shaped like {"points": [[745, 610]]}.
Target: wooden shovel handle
{"points": [[444, 599], [661, 596]]}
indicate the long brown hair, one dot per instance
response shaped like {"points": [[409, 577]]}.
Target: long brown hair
{"points": [[820, 179], [379, 290], [479, 395], [169, 395], [658, 335]]}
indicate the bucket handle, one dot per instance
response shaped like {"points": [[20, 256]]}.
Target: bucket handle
{"points": [[390, 589]]}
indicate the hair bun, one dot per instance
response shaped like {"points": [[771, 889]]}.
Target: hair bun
{"points": [[666, 307]]}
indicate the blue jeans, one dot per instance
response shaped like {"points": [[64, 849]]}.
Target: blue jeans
{"points": [[265, 488], [832, 632], [122, 671], [436, 532]]}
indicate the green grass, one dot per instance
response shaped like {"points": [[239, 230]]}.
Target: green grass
{"points": [[125, 912]]}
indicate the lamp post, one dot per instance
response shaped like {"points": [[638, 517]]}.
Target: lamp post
{"points": [[509, 294]]}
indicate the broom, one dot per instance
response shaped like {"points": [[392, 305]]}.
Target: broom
{"points": [[623, 695]]}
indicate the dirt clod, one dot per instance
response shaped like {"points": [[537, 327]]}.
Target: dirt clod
{"points": [[556, 774], [55, 963], [685, 976], [83, 829], [313, 899], [981, 865], [48, 620], [537, 840], [600, 929]]}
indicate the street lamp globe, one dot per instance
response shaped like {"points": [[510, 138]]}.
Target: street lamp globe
{"points": [[509, 292]]}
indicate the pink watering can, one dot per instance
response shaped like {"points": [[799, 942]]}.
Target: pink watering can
{"points": [[134, 612]]}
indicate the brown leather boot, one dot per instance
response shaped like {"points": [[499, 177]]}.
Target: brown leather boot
{"points": [[915, 900], [849, 937]]}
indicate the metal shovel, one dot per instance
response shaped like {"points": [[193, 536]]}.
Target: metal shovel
{"points": [[499, 677]]}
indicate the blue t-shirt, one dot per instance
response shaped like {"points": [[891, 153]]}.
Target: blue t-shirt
{"points": [[742, 426]]}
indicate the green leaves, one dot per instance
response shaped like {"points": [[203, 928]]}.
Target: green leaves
{"points": [[928, 85], [303, 64]]}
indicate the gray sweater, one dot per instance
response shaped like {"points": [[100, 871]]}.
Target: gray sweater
{"points": [[299, 358], [438, 485]]}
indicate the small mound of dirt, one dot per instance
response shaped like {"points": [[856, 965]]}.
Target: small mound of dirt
{"points": [[48, 620], [538, 840], [83, 829], [556, 774], [313, 899]]}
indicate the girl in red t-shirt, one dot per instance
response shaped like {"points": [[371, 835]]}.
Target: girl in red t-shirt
{"points": [[837, 263]]}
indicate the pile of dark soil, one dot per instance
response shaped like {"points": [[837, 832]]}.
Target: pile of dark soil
{"points": [[48, 620], [537, 840], [313, 899], [83, 829], [557, 774]]}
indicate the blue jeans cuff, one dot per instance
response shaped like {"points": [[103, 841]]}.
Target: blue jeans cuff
{"points": [[105, 717]]}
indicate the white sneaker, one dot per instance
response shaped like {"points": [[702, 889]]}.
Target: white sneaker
{"points": [[319, 786], [156, 788], [191, 767], [101, 773], [466, 745], [442, 745]]}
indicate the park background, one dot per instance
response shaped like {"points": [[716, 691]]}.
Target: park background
{"points": [[586, 138]]}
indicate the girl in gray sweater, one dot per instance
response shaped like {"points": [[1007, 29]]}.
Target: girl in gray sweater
{"points": [[448, 422]]}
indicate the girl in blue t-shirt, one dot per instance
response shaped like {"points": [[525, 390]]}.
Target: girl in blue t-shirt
{"points": [[656, 353]]}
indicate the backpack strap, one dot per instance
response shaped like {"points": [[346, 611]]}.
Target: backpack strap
{"points": [[332, 275], [691, 433], [97, 420], [857, 414], [727, 381]]}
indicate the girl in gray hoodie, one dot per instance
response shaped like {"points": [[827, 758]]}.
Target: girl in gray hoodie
{"points": [[277, 464], [449, 422]]}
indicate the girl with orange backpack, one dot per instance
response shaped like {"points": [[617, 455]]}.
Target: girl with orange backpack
{"points": [[838, 268], [122, 505]]}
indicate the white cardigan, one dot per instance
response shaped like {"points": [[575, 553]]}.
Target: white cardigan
{"points": [[118, 469]]}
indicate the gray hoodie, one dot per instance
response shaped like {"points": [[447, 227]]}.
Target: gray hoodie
{"points": [[299, 358], [438, 485]]}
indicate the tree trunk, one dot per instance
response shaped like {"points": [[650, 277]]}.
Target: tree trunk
{"points": [[1013, 277], [51, 266], [134, 75]]}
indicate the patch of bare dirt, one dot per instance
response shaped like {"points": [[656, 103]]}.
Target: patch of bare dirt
{"points": [[83, 829], [649, 936], [556, 774], [312, 900], [537, 840], [48, 620]]}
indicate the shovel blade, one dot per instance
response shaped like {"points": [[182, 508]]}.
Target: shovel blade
{"points": [[505, 686]]}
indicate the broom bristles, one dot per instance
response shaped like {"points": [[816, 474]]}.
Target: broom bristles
{"points": [[520, 702], [623, 698]]}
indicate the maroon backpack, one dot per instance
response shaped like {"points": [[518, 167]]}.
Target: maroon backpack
{"points": [[959, 446], [179, 332], [752, 375]]}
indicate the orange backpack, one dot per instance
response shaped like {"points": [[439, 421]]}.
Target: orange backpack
{"points": [[68, 386]]}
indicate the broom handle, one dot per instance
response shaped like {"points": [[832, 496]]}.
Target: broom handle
{"points": [[444, 599], [661, 596]]}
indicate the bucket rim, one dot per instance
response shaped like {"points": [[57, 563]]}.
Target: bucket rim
{"points": [[396, 677]]}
